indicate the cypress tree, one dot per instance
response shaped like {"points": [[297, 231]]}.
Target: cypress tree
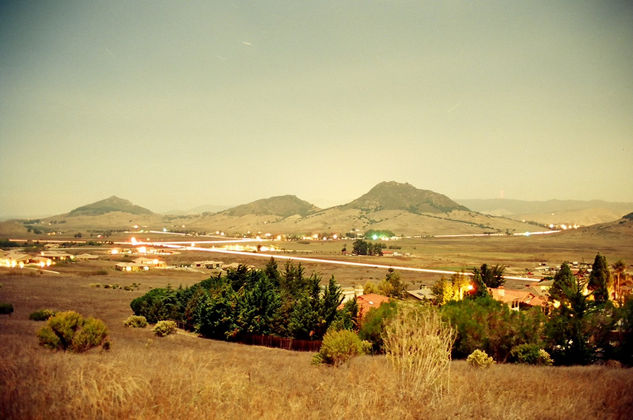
{"points": [[599, 279]]}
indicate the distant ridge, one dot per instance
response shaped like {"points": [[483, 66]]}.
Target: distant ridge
{"points": [[283, 205], [393, 195], [109, 205]]}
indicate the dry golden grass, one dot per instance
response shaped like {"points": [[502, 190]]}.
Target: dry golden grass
{"points": [[182, 376]]}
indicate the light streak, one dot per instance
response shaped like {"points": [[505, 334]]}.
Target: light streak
{"points": [[321, 260]]}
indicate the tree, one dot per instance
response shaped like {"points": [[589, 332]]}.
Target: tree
{"points": [[563, 280], [600, 279], [360, 247], [569, 328], [479, 287], [332, 298], [491, 276], [454, 288], [258, 306], [618, 269]]}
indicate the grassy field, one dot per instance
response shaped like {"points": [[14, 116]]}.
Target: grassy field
{"points": [[185, 376]]}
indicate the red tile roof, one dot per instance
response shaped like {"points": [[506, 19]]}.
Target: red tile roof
{"points": [[368, 301]]}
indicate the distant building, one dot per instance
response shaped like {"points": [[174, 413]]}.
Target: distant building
{"points": [[210, 265], [517, 299], [57, 255], [128, 267], [424, 294], [350, 293]]}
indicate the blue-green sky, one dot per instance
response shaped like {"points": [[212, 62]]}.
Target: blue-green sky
{"points": [[178, 104]]}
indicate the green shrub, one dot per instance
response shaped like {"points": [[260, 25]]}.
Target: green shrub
{"points": [[491, 326], [93, 333], [373, 325], [340, 346], [135, 321], [163, 328], [42, 315], [70, 331], [6, 308], [530, 354], [479, 359]]}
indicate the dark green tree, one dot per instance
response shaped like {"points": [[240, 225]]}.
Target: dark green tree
{"points": [[332, 298], [492, 276], [217, 314], [569, 328], [563, 280], [258, 305], [347, 317], [600, 279]]}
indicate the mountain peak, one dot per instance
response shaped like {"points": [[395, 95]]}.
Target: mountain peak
{"points": [[282, 205], [108, 205], [391, 195]]}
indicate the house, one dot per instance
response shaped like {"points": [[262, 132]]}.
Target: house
{"points": [[150, 262], [57, 255], [207, 264], [13, 259], [350, 293], [368, 302], [516, 299], [423, 294], [128, 267]]}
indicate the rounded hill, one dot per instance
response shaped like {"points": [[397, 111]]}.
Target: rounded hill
{"points": [[109, 205], [284, 206], [404, 196]]}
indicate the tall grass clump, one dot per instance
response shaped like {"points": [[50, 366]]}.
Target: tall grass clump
{"points": [[70, 331], [418, 345], [339, 347]]}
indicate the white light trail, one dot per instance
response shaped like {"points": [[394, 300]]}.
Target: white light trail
{"points": [[321, 260]]}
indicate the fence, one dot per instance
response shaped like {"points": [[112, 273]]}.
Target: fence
{"points": [[280, 342]]}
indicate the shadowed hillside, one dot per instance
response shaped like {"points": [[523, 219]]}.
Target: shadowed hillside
{"points": [[109, 205], [284, 206]]}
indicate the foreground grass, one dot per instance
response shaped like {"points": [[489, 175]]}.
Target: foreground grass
{"points": [[183, 376]]}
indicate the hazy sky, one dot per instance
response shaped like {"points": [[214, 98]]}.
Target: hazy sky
{"points": [[178, 104]]}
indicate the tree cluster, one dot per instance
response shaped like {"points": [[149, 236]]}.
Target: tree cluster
{"points": [[285, 303], [361, 247]]}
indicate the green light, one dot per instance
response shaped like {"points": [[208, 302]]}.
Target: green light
{"points": [[375, 237]]}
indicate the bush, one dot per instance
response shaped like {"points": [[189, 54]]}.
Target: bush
{"points": [[42, 315], [163, 328], [339, 347], [135, 321], [480, 359], [70, 331], [373, 325], [488, 325], [530, 354], [6, 308], [418, 345]]}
